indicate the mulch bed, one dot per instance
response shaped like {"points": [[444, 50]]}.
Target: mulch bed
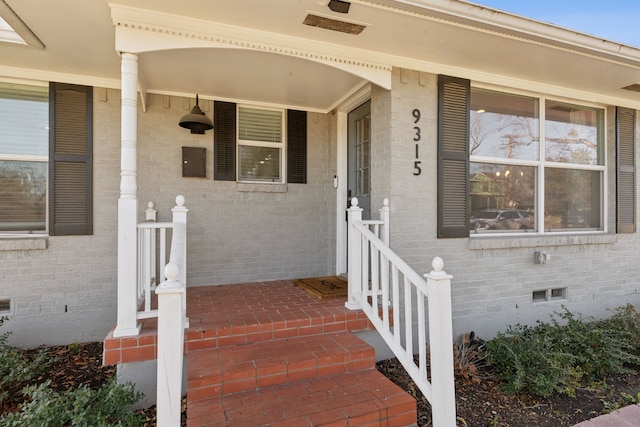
{"points": [[482, 404], [479, 404]]}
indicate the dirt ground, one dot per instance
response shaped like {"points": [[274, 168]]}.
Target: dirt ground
{"points": [[478, 404]]}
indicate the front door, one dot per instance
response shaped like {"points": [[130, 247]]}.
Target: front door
{"points": [[359, 158]]}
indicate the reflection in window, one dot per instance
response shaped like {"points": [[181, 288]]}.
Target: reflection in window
{"points": [[502, 197], [512, 188], [573, 134], [24, 147], [504, 126], [259, 163], [363, 155], [23, 191], [572, 199]]}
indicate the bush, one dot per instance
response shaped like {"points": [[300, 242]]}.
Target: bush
{"points": [[42, 406], [107, 406], [552, 357], [15, 368]]}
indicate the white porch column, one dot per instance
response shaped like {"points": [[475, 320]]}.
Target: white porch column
{"points": [[128, 204]]}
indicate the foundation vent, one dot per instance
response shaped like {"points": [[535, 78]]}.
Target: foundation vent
{"points": [[539, 296], [333, 24], [5, 306], [551, 294]]}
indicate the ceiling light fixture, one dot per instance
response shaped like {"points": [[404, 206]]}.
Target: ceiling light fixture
{"points": [[196, 121], [339, 6]]}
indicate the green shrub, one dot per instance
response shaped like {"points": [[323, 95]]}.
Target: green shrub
{"points": [[107, 406], [626, 321], [599, 347], [556, 357], [15, 368], [43, 407], [525, 358]]}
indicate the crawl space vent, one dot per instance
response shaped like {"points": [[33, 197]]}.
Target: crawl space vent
{"points": [[5, 306], [333, 24]]}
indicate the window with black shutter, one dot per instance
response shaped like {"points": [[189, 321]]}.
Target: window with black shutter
{"points": [[71, 159], [626, 171], [249, 144], [453, 157], [296, 147]]}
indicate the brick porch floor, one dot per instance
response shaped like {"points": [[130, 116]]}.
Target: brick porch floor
{"points": [[270, 354], [221, 316]]}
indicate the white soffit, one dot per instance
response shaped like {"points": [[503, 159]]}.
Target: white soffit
{"points": [[14, 30], [139, 30]]}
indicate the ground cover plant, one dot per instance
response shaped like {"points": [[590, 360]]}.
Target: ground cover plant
{"points": [[62, 386], [565, 353]]}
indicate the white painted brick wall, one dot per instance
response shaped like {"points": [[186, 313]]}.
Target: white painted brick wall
{"points": [[66, 293], [233, 236], [238, 236], [492, 287]]}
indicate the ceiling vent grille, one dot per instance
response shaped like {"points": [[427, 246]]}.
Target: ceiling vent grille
{"points": [[635, 87], [333, 24]]}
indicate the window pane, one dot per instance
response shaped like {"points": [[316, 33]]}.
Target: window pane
{"points": [[259, 163], [573, 134], [572, 199], [23, 193], [503, 126], [24, 120], [259, 125], [502, 198]]}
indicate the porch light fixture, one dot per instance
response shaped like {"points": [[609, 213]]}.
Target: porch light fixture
{"points": [[196, 121]]}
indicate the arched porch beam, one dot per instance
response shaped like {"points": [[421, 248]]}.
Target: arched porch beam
{"points": [[141, 31]]}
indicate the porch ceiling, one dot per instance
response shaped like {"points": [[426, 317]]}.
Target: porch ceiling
{"points": [[263, 57]]}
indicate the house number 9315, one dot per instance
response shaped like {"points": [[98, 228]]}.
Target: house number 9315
{"points": [[417, 170]]}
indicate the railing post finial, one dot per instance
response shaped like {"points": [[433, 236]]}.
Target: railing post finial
{"points": [[151, 212], [171, 271], [437, 265]]}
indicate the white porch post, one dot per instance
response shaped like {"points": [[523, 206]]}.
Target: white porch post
{"points": [[180, 215], [128, 204], [170, 346], [443, 402], [355, 257]]}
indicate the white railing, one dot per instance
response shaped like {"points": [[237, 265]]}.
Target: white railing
{"points": [[390, 293], [153, 256], [172, 322]]}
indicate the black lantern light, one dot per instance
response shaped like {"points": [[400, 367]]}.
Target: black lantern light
{"points": [[196, 121]]}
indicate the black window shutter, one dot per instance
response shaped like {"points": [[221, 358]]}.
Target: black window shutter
{"points": [[626, 171], [70, 159], [453, 157], [296, 147], [224, 144]]}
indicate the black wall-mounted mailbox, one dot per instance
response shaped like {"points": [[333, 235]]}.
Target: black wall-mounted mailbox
{"points": [[194, 162]]}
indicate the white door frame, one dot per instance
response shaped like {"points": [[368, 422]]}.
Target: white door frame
{"points": [[342, 112]]}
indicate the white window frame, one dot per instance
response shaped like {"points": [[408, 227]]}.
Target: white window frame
{"points": [[541, 165], [282, 145]]}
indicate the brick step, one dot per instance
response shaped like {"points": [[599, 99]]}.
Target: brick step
{"points": [[362, 398], [226, 370]]}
